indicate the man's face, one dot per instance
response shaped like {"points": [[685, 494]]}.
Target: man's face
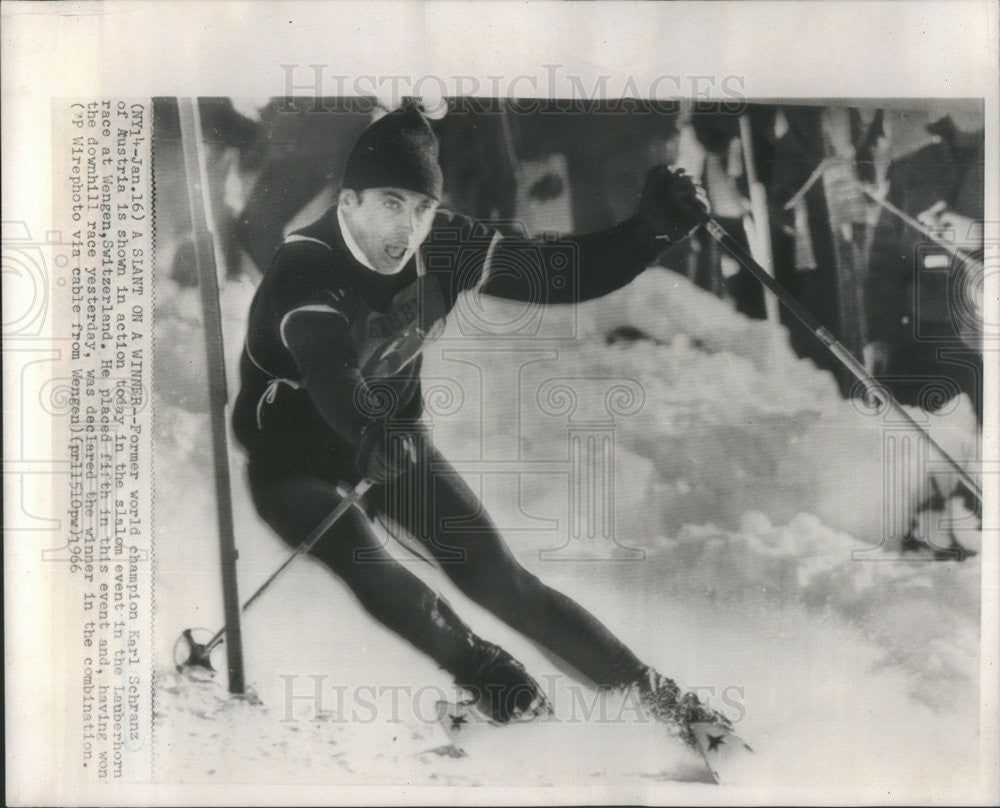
{"points": [[388, 224]]}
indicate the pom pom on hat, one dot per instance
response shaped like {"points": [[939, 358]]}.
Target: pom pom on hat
{"points": [[399, 150]]}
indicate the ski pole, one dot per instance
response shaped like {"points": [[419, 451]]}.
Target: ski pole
{"points": [[872, 387], [200, 651], [927, 232]]}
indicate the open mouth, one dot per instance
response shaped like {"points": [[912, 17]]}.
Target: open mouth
{"points": [[395, 253]]}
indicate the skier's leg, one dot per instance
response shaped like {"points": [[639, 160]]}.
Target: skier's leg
{"points": [[471, 551], [294, 505]]}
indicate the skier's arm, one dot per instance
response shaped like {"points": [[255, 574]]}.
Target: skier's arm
{"points": [[577, 268], [314, 308], [321, 345]]}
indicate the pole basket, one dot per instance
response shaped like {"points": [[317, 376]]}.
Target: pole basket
{"points": [[192, 655]]}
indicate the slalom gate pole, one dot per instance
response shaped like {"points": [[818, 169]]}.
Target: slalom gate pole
{"points": [[760, 216], [201, 227], [200, 653], [877, 391]]}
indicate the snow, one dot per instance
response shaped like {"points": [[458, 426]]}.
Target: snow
{"points": [[751, 490]]}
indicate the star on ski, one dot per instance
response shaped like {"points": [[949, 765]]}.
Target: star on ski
{"points": [[457, 721], [715, 741]]}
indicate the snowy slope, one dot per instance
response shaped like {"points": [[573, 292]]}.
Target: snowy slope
{"points": [[755, 495]]}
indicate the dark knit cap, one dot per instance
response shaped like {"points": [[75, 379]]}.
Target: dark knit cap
{"points": [[399, 150]]}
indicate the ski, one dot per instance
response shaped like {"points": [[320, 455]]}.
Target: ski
{"points": [[722, 751], [465, 726]]}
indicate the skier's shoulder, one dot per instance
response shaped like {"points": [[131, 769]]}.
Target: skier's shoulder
{"points": [[300, 276], [309, 258], [315, 243], [450, 227]]}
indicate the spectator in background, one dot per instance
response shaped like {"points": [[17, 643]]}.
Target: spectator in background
{"points": [[920, 299]]}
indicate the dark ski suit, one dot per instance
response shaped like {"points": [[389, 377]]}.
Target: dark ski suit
{"points": [[332, 344]]}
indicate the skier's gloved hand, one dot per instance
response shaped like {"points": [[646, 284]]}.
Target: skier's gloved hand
{"points": [[383, 455], [672, 204]]}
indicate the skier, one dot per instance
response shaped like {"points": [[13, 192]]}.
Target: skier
{"points": [[330, 393]]}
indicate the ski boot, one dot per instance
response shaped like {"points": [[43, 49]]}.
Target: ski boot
{"points": [[501, 688], [665, 702], [704, 730]]}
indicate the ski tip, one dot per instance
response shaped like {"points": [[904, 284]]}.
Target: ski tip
{"points": [[725, 753]]}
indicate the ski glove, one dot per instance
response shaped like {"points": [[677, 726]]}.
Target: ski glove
{"points": [[383, 455], [672, 204]]}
